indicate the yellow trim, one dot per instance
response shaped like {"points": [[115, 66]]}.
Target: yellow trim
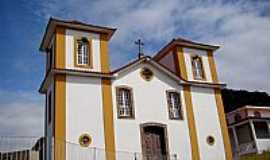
{"points": [[189, 106], [191, 124], [220, 108], [90, 54], [60, 97], [108, 119], [60, 56], [104, 54], [81, 140], [212, 66], [223, 125], [107, 100], [181, 63], [60, 117]]}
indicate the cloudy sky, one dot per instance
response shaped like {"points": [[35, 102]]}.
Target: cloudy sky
{"points": [[240, 27]]}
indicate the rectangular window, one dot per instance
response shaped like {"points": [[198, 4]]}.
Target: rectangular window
{"points": [[83, 52], [174, 105], [261, 129], [49, 108], [244, 134], [197, 68], [124, 102]]}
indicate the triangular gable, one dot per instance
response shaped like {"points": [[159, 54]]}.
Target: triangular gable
{"points": [[149, 61]]}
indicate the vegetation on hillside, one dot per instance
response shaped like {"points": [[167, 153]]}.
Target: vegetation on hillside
{"points": [[264, 156], [234, 99]]}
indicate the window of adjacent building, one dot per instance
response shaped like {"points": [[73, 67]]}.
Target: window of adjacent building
{"points": [[197, 67], [124, 102], [261, 129], [174, 105], [49, 107], [82, 50], [244, 134]]}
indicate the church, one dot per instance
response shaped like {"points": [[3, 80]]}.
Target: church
{"points": [[164, 107]]}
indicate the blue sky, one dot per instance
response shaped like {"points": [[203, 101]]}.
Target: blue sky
{"points": [[240, 27]]}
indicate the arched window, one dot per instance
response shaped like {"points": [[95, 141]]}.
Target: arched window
{"points": [[197, 67], [82, 50], [124, 102], [174, 105]]}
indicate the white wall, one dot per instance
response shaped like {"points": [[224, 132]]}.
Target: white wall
{"points": [[84, 111], [263, 145], [70, 49], [207, 123], [150, 106], [50, 126], [188, 52]]}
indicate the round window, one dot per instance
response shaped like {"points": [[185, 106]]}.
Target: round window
{"points": [[147, 74], [85, 140], [210, 140]]}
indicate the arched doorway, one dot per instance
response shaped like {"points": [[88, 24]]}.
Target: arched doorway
{"points": [[154, 141]]}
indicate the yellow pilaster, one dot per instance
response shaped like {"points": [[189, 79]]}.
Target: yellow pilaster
{"points": [[189, 106], [107, 100]]}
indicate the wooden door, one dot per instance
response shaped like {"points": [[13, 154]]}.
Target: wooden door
{"points": [[152, 146]]}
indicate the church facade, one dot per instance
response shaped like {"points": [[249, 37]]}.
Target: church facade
{"points": [[162, 107]]}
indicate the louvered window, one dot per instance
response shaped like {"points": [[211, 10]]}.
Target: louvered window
{"points": [[83, 51], [197, 68], [124, 103], [174, 105]]}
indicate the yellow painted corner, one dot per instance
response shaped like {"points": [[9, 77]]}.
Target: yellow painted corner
{"points": [[223, 124], [191, 124]]}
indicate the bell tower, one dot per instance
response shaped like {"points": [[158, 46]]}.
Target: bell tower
{"points": [[73, 50], [194, 63]]}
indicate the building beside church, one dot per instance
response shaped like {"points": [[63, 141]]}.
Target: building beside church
{"points": [[249, 129], [164, 107]]}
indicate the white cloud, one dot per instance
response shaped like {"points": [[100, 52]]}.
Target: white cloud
{"points": [[21, 113], [241, 27]]}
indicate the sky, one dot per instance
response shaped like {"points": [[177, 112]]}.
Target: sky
{"points": [[240, 27]]}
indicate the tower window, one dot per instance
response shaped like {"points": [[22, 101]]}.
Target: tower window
{"points": [[261, 129], [124, 102], [174, 105], [83, 52], [197, 67]]}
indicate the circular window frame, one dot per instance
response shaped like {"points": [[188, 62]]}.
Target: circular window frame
{"points": [[81, 140], [146, 77], [210, 140]]}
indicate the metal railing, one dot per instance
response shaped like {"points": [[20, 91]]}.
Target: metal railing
{"points": [[20, 148], [247, 148], [33, 148]]}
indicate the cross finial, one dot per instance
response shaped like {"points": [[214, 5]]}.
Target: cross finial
{"points": [[140, 44]]}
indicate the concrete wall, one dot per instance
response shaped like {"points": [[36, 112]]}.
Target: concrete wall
{"points": [[207, 123]]}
